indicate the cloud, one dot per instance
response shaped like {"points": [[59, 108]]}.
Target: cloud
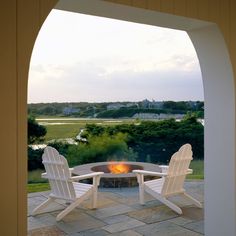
{"points": [[88, 82]]}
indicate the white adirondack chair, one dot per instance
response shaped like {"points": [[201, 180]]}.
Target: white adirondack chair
{"points": [[63, 185], [171, 181]]}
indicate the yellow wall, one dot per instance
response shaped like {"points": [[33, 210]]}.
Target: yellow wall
{"points": [[19, 24]]}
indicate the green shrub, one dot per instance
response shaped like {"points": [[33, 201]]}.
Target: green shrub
{"points": [[156, 141], [35, 159], [61, 147], [36, 132], [100, 148]]}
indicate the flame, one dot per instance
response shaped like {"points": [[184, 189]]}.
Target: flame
{"points": [[120, 168]]}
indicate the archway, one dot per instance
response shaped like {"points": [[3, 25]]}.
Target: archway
{"points": [[219, 90]]}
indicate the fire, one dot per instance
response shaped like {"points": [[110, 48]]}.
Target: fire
{"points": [[119, 168]]}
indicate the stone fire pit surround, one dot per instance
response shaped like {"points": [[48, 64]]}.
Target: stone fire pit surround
{"points": [[116, 180]]}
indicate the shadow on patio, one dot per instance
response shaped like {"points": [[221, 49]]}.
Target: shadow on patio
{"points": [[119, 213]]}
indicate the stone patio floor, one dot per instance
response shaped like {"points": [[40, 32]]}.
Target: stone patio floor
{"points": [[119, 213]]}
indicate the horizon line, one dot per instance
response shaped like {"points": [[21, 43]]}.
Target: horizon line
{"points": [[119, 101]]}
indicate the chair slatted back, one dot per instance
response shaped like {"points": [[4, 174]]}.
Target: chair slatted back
{"points": [[58, 174], [177, 171]]}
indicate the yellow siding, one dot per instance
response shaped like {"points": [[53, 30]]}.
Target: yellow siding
{"points": [[20, 22], [233, 33], [24, 50], [8, 120], [45, 8], [214, 10], [192, 8], [125, 2], [140, 3], [203, 10], [180, 7], [154, 5], [167, 6], [224, 20]]}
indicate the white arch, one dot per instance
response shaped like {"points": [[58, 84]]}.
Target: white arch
{"points": [[219, 93], [219, 133]]}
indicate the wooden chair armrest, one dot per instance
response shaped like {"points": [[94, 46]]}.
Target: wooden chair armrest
{"points": [[164, 168], [44, 175], [189, 171], [145, 172], [87, 176]]}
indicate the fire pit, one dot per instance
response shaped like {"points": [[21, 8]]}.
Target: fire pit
{"points": [[116, 174]]}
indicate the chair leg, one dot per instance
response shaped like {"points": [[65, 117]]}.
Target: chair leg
{"points": [[68, 209], [38, 209], [193, 200], [95, 191], [141, 194], [170, 205]]}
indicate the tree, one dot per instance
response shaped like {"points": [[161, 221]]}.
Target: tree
{"points": [[157, 141], [36, 132]]}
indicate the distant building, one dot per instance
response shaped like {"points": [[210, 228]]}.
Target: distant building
{"points": [[151, 104], [146, 104], [132, 104], [160, 116]]}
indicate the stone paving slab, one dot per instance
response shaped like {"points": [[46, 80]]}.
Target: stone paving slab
{"points": [[121, 226], [120, 214], [127, 233], [52, 207], [165, 229], [196, 226], [110, 211], [92, 232], [78, 222], [46, 219], [116, 219], [181, 221], [103, 202], [34, 223], [148, 204], [153, 214]]}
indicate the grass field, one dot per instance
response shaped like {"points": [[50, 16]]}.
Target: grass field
{"points": [[61, 128]]}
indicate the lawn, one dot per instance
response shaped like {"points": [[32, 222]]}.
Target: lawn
{"points": [[36, 183], [32, 188], [198, 169], [63, 131], [34, 176]]}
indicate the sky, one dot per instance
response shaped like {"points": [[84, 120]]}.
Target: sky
{"points": [[82, 58]]}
